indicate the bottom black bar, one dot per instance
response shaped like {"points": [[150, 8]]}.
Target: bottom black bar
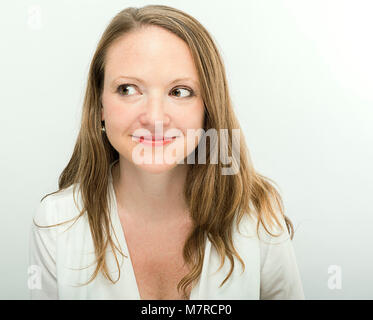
{"points": [[191, 309]]}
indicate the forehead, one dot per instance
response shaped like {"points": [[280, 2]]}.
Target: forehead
{"points": [[150, 51]]}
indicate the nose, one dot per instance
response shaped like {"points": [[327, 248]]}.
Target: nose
{"points": [[154, 112]]}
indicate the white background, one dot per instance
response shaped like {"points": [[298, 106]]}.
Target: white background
{"points": [[301, 79]]}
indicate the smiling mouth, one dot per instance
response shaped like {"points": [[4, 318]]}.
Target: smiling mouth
{"points": [[154, 140]]}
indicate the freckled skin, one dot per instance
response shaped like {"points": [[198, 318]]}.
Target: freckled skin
{"points": [[157, 57]]}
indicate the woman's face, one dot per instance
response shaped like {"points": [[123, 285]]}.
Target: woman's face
{"points": [[151, 85]]}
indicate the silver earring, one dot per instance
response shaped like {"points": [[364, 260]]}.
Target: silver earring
{"points": [[103, 128]]}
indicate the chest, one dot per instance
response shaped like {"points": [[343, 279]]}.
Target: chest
{"points": [[156, 254]]}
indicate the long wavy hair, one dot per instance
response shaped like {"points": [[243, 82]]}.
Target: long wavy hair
{"points": [[214, 200]]}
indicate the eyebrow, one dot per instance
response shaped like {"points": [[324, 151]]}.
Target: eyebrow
{"points": [[172, 82]]}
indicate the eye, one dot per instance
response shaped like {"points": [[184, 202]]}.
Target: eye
{"points": [[179, 92], [123, 88]]}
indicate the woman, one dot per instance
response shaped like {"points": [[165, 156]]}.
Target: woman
{"points": [[134, 218]]}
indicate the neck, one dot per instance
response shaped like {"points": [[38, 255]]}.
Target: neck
{"points": [[150, 196]]}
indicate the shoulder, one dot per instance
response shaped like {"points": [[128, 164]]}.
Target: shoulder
{"points": [[58, 207], [279, 274], [272, 242], [266, 233]]}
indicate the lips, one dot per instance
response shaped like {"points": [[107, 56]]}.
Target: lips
{"points": [[154, 141], [153, 138], [156, 138]]}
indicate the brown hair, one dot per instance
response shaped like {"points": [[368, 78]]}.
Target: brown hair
{"points": [[214, 200]]}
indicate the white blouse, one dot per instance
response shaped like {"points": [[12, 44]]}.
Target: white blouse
{"points": [[63, 257]]}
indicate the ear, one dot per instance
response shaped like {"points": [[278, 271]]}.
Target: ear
{"points": [[102, 113]]}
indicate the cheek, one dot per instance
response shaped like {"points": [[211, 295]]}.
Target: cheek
{"points": [[193, 120], [118, 118], [199, 114], [192, 117]]}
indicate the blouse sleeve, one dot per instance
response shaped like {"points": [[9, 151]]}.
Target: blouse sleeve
{"points": [[42, 279], [280, 278]]}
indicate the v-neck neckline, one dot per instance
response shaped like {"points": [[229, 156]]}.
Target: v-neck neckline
{"points": [[119, 232]]}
